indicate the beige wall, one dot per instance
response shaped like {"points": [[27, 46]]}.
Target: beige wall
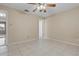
{"points": [[21, 27], [64, 26]]}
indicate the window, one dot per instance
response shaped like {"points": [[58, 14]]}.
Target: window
{"points": [[2, 28]]}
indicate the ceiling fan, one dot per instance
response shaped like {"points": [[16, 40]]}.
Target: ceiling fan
{"points": [[41, 7]]}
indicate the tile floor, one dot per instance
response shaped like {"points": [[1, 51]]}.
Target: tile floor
{"points": [[40, 48]]}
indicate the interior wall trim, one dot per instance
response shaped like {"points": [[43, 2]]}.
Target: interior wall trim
{"points": [[64, 41], [20, 42]]}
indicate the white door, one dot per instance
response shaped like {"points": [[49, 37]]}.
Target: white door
{"points": [[41, 28]]}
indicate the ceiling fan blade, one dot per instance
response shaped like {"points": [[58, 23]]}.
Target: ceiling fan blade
{"points": [[34, 9], [40, 10], [26, 10], [45, 11], [51, 5]]}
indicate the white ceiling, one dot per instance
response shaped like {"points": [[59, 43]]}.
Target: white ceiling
{"points": [[59, 8]]}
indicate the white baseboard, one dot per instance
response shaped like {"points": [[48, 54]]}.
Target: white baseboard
{"points": [[20, 42], [63, 41]]}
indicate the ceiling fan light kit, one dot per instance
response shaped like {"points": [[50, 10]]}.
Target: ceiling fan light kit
{"points": [[41, 7]]}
